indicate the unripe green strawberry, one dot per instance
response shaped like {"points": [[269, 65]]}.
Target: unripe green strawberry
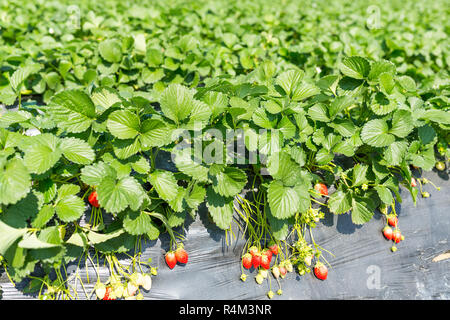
{"points": [[276, 272], [147, 282], [289, 266], [270, 294], [259, 278], [118, 290], [440, 166], [384, 209], [243, 277], [264, 273], [131, 288], [308, 260], [100, 290]]}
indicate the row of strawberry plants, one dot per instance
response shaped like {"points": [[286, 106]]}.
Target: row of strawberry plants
{"points": [[100, 146]]}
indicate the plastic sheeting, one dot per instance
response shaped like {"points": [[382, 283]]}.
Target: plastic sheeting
{"points": [[363, 266]]}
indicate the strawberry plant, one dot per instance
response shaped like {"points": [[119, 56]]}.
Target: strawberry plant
{"points": [[123, 130]]}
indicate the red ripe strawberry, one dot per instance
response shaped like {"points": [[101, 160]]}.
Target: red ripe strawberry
{"points": [[247, 261], [93, 199], [181, 255], [268, 253], [253, 250], [321, 271], [392, 220], [387, 232], [256, 260], [171, 259], [107, 293], [274, 248], [265, 262], [397, 236], [321, 188]]}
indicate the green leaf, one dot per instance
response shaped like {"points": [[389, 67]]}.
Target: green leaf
{"points": [[381, 105], [115, 195], [229, 182], [8, 236], [96, 238], [123, 124], [77, 150], [360, 213], [164, 183], [220, 208], [340, 202], [104, 98], [407, 83], [176, 102], [290, 80], [72, 110], [21, 74], [359, 174], [94, 174], [15, 181], [395, 152], [304, 91], [44, 215], [439, 116], [110, 50], [278, 227], [426, 134], [380, 67], [282, 167], [284, 201], [67, 190], [402, 123], [42, 153], [318, 112], [339, 104], [30, 241], [186, 164], [375, 133], [385, 194], [69, 208], [355, 67], [154, 133], [137, 223]]}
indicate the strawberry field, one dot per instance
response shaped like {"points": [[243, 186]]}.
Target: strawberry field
{"points": [[224, 150]]}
